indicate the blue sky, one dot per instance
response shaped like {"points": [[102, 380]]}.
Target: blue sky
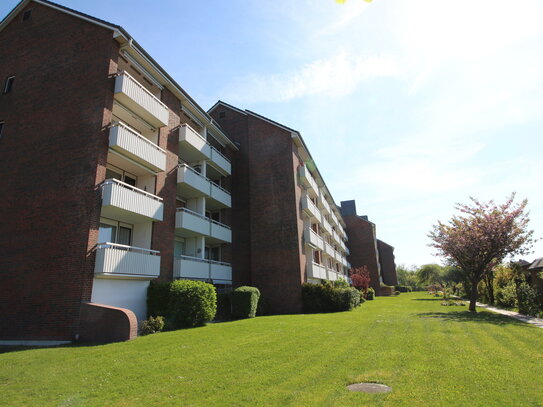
{"points": [[407, 107]]}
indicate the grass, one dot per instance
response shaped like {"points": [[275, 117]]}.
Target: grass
{"points": [[430, 355]]}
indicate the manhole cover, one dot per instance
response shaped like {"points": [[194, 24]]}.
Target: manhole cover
{"points": [[369, 388]]}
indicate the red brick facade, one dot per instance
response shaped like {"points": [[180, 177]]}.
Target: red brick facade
{"points": [[266, 244], [52, 143], [388, 266]]}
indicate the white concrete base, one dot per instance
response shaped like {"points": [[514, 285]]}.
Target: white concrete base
{"points": [[129, 294], [33, 343]]}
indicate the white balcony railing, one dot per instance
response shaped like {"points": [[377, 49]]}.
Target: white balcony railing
{"points": [[202, 269], [332, 275], [335, 236], [220, 161], [198, 224], [329, 250], [315, 270], [127, 203], [310, 208], [308, 181], [117, 260], [138, 99], [198, 185], [191, 140], [323, 203], [326, 226], [313, 238], [136, 147]]}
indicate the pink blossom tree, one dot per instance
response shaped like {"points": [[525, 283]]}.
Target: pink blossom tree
{"points": [[480, 237], [360, 278]]}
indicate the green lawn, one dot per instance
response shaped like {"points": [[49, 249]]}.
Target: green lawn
{"points": [[430, 355]]}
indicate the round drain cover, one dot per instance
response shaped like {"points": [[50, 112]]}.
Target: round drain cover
{"points": [[369, 388]]}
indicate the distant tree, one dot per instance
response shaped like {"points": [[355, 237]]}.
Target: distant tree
{"points": [[407, 276], [360, 278], [430, 274], [481, 237]]}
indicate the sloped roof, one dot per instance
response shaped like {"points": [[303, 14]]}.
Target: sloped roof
{"points": [[537, 264]]}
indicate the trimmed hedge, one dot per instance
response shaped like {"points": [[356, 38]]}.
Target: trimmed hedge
{"points": [[244, 301], [404, 288], [183, 303], [320, 298], [224, 308]]}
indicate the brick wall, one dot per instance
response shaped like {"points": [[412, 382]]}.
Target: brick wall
{"points": [[388, 266], [266, 246], [54, 138], [363, 247]]}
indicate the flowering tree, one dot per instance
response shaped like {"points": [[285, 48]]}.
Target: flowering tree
{"points": [[360, 278], [481, 237]]}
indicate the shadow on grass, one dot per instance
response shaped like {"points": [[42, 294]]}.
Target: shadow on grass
{"points": [[466, 316]]}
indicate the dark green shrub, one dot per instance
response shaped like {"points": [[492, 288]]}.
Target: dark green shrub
{"points": [[319, 298], [158, 295], [224, 307], [370, 295], [244, 302], [362, 298], [527, 300], [506, 297], [191, 303], [152, 325], [396, 292], [404, 288]]}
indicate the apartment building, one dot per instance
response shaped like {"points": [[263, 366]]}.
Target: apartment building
{"points": [[112, 175], [367, 250], [287, 229]]}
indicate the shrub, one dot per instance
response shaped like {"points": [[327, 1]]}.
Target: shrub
{"points": [[370, 294], [319, 298], [506, 296], [158, 295], [340, 283], [404, 288], [191, 303], [396, 292], [152, 325], [245, 302], [527, 299], [263, 306], [224, 307], [362, 297]]}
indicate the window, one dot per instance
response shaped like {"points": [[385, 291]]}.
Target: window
{"points": [[27, 14], [9, 84], [114, 232], [1, 128], [121, 175]]}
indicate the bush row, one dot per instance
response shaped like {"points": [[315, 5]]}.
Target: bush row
{"points": [[318, 298]]}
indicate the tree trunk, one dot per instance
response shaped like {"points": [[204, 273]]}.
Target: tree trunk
{"points": [[473, 297]]}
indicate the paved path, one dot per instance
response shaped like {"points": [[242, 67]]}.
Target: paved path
{"points": [[530, 320]]}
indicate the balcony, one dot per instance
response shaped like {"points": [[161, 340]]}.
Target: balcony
{"points": [[334, 218], [329, 250], [136, 147], [137, 98], [191, 184], [326, 226], [219, 161], [332, 275], [315, 270], [335, 236], [120, 261], [219, 197], [307, 180], [202, 269], [192, 146], [189, 223], [310, 208], [313, 239], [129, 204], [323, 203]]}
